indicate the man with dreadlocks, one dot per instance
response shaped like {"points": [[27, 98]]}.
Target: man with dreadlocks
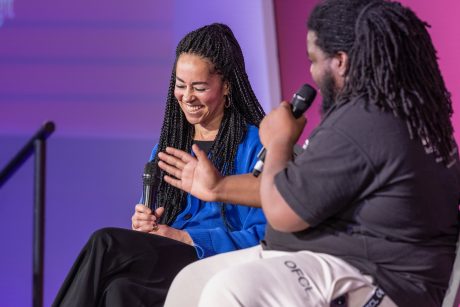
{"points": [[367, 214], [210, 103]]}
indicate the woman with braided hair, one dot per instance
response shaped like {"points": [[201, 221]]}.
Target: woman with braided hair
{"points": [[210, 103]]}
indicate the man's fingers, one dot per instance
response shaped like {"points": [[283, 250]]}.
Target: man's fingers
{"points": [[172, 181], [171, 160], [170, 169], [180, 154], [285, 104], [198, 152], [302, 120]]}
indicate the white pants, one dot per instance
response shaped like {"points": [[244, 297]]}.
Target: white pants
{"points": [[254, 277]]}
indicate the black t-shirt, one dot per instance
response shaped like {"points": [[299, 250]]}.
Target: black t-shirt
{"points": [[375, 199], [204, 145]]}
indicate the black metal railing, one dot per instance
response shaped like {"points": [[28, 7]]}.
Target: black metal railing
{"points": [[36, 145]]}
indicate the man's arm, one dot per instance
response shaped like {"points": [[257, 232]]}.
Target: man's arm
{"points": [[199, 177], [239, 189], [279, 131]]}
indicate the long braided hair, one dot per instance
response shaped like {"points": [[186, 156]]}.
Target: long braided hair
{"points": [[217, 44], [392, 61]]}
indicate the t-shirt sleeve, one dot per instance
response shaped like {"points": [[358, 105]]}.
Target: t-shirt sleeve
{"points": [[326, 177]]}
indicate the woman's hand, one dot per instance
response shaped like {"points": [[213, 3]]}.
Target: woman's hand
{"points": [[196, 176], [173, 233], [144, 219]]}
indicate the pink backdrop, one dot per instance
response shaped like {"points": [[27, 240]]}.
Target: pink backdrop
{"points": [[291, 28]]}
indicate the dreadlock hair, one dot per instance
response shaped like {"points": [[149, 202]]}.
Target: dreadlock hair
{"points": [[217, 44], [392, 62]]}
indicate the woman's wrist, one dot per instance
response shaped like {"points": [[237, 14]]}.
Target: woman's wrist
{"points": [[187, 238]]}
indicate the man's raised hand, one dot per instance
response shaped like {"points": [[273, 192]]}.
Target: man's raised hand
{"points": [[195, 175]]}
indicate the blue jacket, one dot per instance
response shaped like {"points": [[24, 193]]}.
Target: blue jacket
{"points": [[203, 220]]}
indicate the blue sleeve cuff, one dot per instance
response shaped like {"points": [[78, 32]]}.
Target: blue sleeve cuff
{"points": [[202, 242], [209, 242]]}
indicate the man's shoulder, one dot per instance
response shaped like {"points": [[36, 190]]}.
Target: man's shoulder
{"points": [[361, 118], [356, 111]]}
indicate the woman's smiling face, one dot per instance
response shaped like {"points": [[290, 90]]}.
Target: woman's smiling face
{"points": [[200, 91]]}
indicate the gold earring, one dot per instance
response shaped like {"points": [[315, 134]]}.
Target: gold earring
{"points": [[228, 101]]}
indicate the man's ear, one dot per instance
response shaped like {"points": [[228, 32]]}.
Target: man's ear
{"points": [[341, 62]]}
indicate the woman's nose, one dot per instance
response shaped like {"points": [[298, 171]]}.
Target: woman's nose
{"points": [[188, 96]]}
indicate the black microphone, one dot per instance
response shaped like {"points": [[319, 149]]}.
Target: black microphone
{"points": [[150, 185], [300, 102]]}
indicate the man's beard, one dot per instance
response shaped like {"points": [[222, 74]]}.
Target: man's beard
{"points": [[328, 92]]}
